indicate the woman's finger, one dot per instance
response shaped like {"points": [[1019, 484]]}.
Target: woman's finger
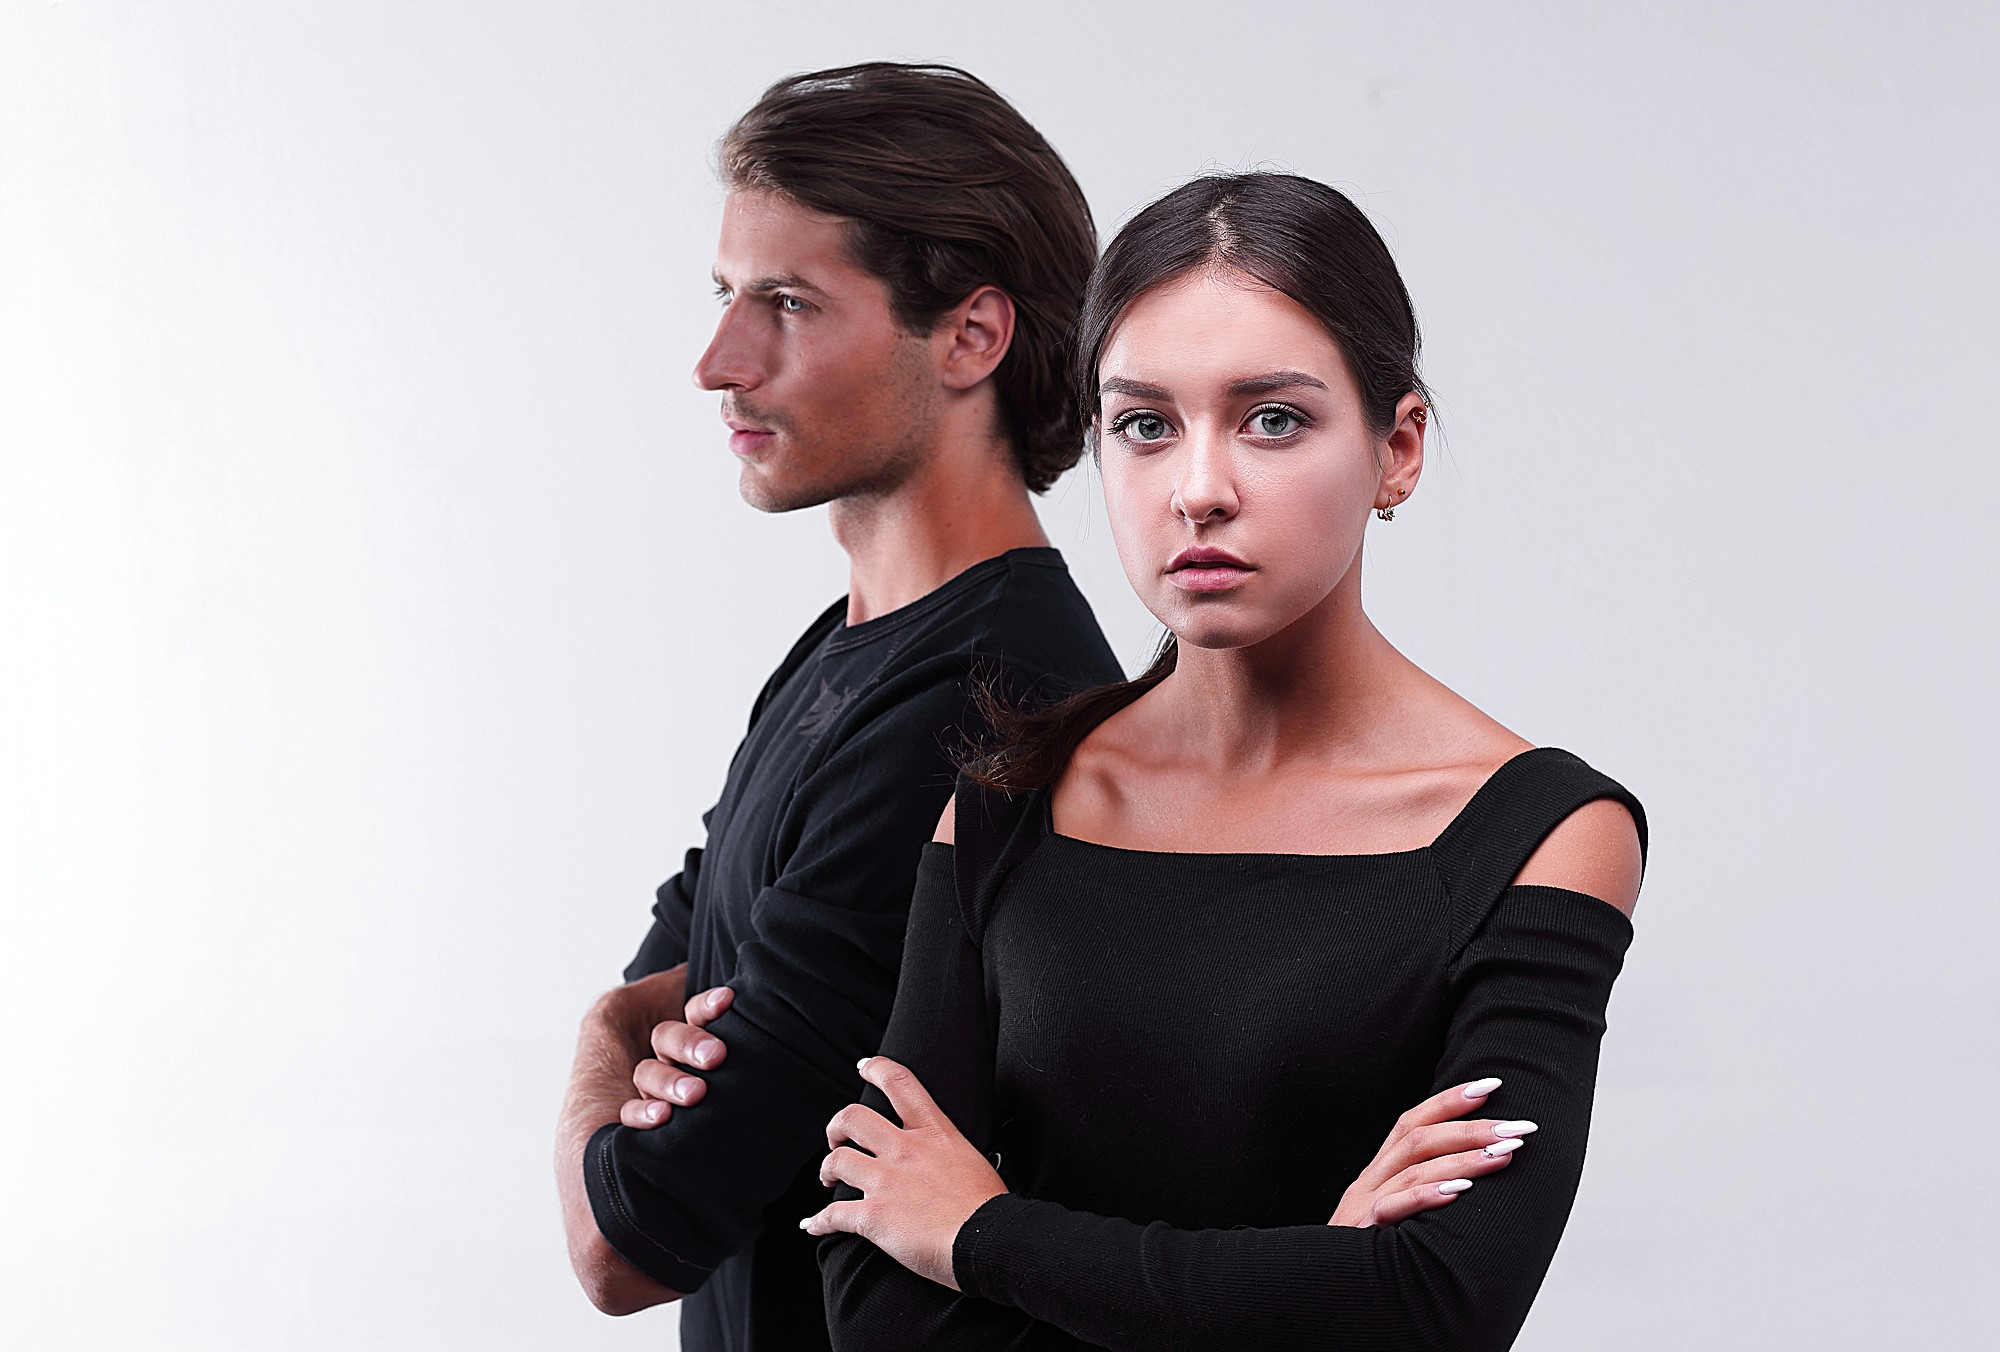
{"points": [[1407, 1202], [1447, 1104], [908, 1097], [1406, 1142], [656, 1079], [1466, 1164], [861, 1125], [641, 1113], [839, 1217], [848, 1165], [1419, 1144]]}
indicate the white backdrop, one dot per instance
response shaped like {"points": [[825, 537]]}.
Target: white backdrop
{"points": [[379, 613]]}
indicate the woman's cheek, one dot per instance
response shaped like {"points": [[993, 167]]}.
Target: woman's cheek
{"points": [[1144, 531]]}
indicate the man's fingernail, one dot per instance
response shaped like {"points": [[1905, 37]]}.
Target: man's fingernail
{"points": [[1504, 1129], [1481, 1088], [1499, 1148], [1456, 1185], [653, 1111], [683, 1090], [717, 996], [704, 1055]]}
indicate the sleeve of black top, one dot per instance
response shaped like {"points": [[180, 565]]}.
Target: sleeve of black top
{"points": [[812, 994], [1528, 994], [941, 1030], [666, 943]]}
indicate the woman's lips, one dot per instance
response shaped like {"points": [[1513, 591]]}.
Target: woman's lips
{"points": [[1204, 568], [1209, 577]]}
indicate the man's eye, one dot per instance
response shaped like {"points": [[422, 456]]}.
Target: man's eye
{"points": [[1276, 422], [791, 305]]}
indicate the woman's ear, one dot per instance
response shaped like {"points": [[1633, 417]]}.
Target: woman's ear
{"points": [[1403, 452]]}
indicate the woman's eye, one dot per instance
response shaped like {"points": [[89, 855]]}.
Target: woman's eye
{"points": [[1276, 422], [1145, 427]]}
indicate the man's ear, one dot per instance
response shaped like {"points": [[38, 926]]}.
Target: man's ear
{"points": [[973, 336]]}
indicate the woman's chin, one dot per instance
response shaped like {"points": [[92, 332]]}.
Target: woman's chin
{"points": [[1218, 632]]}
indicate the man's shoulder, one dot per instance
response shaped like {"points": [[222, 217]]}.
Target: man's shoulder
{"points": [[1040, 623], [1020, 610]]}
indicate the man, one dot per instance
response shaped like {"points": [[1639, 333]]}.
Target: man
{"points": [[901, 261]]}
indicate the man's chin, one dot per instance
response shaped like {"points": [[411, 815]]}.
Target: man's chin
{"points": [[773, 493]]}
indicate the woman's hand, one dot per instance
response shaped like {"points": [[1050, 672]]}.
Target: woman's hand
{"points": [[1429, 1159], [920, 1181]]}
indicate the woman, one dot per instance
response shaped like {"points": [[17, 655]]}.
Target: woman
{"points": [[1184, 947]]}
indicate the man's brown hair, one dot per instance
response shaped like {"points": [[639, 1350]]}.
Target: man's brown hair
{"points": [[947, 189]]}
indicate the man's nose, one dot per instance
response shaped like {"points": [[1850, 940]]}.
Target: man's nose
{"points": [[731, 360]]}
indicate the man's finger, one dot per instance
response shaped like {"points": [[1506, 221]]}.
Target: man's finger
{"points": [[705, 1008], [687, 1045], [656, 1079], [642, 1113], [910, 1099]]}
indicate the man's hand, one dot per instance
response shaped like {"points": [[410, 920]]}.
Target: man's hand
{"points": [[1429, 1159], [612, 1041], [677, 1043]]}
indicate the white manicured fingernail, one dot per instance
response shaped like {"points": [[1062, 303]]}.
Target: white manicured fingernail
{"points": [[1499, 1148], [1512, 1128], [1481, 1088], [862, 1064], [805, 1222], [1456, 1186]]}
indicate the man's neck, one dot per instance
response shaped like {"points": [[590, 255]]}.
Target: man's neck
{"points": [[965, 505]]}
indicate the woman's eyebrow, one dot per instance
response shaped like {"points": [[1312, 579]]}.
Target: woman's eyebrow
{"points": [[1137, 389], [1273, 381]]}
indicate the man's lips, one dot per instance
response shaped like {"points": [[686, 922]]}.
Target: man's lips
{"points": [[746, 438]]}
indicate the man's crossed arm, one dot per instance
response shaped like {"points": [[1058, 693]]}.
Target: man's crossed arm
{"points": [[613, 1046]]}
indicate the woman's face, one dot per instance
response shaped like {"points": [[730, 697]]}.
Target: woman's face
{"points": [[1238, 467]]}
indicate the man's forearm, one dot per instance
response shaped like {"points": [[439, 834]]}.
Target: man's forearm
{"points": [[613, 1040]]}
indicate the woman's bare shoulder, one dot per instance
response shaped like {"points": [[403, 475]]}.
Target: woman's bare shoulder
{"points": [[1595, 851]]}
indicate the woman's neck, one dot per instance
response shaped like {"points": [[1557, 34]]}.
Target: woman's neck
{"points": [[1328, 686]]}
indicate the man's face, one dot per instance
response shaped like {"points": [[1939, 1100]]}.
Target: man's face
{"points": [[826, 396]]}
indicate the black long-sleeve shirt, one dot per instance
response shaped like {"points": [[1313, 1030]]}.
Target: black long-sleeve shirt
{"points": [[1182, 1060], [798, 902]]}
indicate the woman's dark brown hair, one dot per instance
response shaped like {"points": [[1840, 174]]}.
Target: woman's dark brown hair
{"points": [[1296, 236], [947, 189]]}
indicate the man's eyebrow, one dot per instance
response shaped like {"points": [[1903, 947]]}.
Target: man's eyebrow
{"points": [[1137, 389], [1273, 381], [781, 281]]}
